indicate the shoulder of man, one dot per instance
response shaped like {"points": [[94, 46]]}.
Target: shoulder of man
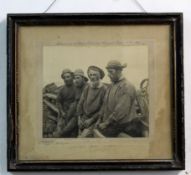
{"points": [[59, 88], [64, 90], [85, 90], [128, 87], [60, 92], [86, 87], [105, 86]]}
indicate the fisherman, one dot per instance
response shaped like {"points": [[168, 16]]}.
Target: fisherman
{"points": [[119, 102], [65, 99], [80, 81], [71, 126], [91, 101]]}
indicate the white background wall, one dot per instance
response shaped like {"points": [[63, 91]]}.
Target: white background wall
{"points": [[69, 6]]}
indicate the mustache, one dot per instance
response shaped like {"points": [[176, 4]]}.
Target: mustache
{"points": [[94, 79]]}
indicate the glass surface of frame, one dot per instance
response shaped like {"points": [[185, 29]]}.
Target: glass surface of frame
{"points": [[95, 91]]}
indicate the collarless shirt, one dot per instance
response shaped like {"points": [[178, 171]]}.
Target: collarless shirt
{"points": [[66, 96], [119, 102]]}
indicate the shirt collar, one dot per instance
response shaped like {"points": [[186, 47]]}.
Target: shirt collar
{"points": [[120, 79], [99, 86]]}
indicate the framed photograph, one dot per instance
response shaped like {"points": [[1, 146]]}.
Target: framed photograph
{"points": [[97, 91]]}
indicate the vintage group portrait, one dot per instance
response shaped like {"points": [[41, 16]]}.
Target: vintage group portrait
{"points": [[94, 92]]}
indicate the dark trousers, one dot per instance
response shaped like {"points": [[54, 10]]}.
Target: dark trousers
{"points": [[112, 130], [135, 128]]}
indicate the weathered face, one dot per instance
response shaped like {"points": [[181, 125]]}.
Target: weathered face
{"points": [[68, 78], [114, 74], [94, 75], [78, 80]]}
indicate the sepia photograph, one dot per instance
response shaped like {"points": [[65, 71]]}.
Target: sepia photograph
{"points": [[96, 90]]}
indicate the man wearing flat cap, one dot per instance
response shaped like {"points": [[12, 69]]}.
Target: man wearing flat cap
{"points": [[65, 99], [71, 127], [91, 101], [119, 102], [80, 81]]}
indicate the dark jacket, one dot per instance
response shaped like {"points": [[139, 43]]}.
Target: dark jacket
{"points": [[119, 103]]}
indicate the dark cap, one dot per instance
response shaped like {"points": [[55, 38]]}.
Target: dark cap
{"points": [[95, 68], [80, 72], [66, 71], [114, 64]]}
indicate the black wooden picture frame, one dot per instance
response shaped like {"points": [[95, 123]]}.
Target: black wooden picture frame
{"points": [[175, 20]]}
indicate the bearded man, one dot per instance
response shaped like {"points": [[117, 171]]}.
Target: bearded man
{"points": [[91, 101]]}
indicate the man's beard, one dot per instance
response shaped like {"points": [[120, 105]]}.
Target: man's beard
{"points": [[95, 83]]}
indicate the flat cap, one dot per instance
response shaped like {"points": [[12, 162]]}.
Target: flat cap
{"points": [[66, 71], [80, 72], [95, 68], [115, 64]]}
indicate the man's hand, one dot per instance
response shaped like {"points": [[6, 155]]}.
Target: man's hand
{"points": [[103, 125], [97, 123], [87, 123]]}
